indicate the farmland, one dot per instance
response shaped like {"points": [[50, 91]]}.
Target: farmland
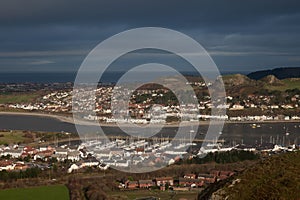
{"points": [[18, 98], [155, 193], [13, 137], [57, 192]]}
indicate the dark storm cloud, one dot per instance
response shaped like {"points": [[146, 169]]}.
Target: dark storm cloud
{"points": [[138, 12], [238, 34]]}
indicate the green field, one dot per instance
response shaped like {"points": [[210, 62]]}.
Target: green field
{"points": [[18, 98], [163, 195], [290, 83], [12, 137], [57, 192]]}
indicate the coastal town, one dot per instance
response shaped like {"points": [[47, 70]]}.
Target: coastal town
{"points": [[64, 154], [57, 99], [81, 156], [126, 155], [149, 100]]}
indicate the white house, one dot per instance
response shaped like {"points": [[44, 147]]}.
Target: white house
{"points": [[89, 163], [7, 165], [72, 168], [15, 153], [61, 151], [74, 156]]}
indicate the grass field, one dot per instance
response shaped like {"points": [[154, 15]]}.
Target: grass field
{"points": [[12, 137], [163, 195], [56, 192], [289, 83], [17, 98], [27, 137]]}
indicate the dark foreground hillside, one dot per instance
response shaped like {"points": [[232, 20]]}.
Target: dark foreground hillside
{"points": [[276, 177]]}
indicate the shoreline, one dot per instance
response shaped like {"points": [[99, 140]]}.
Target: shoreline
{"points": [[69, 119], [45, 115]]}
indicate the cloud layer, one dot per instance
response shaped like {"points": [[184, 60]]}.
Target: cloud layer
{"points": [[240, 35]]}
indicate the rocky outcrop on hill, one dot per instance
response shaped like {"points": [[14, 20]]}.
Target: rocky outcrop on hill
{"points": [[237, 79], [271, 80]]}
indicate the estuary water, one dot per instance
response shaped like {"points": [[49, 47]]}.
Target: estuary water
{"points": [[233, 133]]}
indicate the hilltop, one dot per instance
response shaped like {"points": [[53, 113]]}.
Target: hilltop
{"points": [[237, 79], [239, 85]]}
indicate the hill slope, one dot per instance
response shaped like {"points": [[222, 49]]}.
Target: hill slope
{"points": [[276, 177]]}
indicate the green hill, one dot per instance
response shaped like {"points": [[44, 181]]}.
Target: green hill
{"points": [[238, 84]]}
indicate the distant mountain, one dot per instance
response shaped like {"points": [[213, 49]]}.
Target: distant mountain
{"points": [[280, 73]]}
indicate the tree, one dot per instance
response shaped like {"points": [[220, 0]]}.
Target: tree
{"points": [[167, 185]]}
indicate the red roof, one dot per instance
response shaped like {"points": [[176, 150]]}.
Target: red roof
{"points": [[164, 178], [5, 163]]}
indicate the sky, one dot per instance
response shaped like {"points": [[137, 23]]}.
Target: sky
{"points": [[240, 36]]}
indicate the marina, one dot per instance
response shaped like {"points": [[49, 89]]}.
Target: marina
{"points": [[117, 149]]}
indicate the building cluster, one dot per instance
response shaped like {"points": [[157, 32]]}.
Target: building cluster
{"points": [[47, 153], [59, 102], [264, 118], [186, 182], [102, 154], [266, 102], [154, 105], [9, 165], [126, 154], [263, 102], [7, 88]]}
